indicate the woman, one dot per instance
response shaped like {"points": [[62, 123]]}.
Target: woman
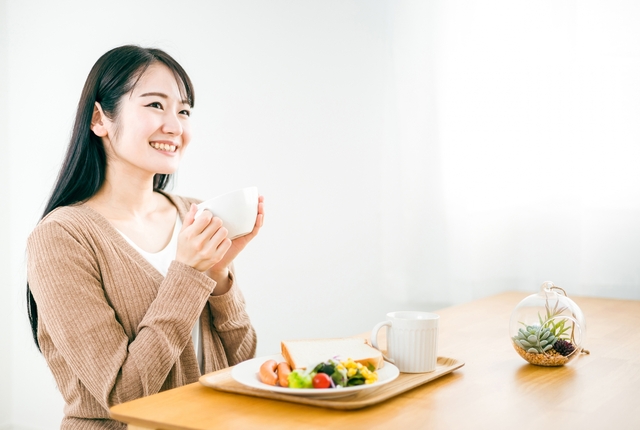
{"points": [[129, 294]]}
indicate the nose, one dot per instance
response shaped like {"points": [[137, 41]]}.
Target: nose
{"points": [[172, 124]]}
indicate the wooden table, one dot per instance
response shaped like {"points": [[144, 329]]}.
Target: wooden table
{"points": [[495, 389]]}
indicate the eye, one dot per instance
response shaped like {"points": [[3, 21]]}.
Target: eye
{"points": [[156, 105], [185, 112]]}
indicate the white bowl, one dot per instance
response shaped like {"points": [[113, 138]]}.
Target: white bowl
{"points": [[237, 210]]}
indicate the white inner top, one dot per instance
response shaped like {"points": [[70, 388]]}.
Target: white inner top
{"points": [[161, 261]]}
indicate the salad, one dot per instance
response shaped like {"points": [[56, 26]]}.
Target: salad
{"points": [[333, 373]]}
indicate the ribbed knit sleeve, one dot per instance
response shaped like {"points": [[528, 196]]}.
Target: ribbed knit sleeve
{"points": [[232, 323], [66, 280]]}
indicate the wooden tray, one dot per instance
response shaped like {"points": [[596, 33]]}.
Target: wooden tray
{"points": [[222, 381]]}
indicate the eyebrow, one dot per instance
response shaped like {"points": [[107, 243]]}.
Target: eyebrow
{"points": [[162, 95]]}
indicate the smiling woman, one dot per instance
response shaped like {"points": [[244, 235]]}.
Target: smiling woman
{"points": [[128, 292], [155, 116]]}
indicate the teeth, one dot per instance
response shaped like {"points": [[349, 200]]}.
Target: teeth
{"points": [[163, 146]]}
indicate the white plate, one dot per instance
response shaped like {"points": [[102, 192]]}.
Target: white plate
{"points": [[247, 373]]}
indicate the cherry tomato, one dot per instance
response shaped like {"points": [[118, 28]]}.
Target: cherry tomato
{"points": [[321, 380]]}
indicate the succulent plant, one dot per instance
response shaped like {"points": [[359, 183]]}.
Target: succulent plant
{"points": [[535, 339], [564, 347]]}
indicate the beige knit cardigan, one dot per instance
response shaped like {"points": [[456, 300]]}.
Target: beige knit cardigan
{"points": [[112, 328]]}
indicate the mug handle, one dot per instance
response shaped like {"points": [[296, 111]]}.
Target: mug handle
{"points": [[374, 338]]}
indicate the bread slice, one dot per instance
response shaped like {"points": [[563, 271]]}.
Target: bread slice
{"points": [[309, 352]]}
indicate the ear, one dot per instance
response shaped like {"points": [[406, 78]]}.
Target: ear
{"points": [[97, 121]]}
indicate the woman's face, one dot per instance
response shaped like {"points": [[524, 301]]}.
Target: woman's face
{"points": [[151, 130]]}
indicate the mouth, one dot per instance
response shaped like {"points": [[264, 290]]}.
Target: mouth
{"points": [[166, 147]]}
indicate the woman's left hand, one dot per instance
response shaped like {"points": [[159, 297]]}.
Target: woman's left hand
{"points": [[221, 269]]}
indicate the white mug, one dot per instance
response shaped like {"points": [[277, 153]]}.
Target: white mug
{"points": [[412, 340], [237, 210]]}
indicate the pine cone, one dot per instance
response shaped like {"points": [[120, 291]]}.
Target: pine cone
{"points": [[563, 347]]}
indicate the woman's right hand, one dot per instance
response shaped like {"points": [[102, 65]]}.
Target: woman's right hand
{"points": [[202, 242]]}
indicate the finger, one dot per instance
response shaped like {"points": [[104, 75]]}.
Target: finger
{"points": [[197, 233], [261, 204], [260, 216], [209, 224], [212, 236], [214, 225], [190, 216], [221, 251], [217, 247], [256, 228], [225, 245], [220, 234]]}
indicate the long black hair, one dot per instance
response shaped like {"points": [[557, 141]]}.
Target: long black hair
{"points": [[83, 170]]}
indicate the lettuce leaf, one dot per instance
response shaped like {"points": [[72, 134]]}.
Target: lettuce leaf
{"points": [[299, 378]]}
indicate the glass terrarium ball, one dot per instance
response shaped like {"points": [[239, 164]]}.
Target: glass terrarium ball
{"points": [[548, 328]]}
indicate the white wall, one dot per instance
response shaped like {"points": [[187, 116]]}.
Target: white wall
{"points": [[412, 154], [537, 105], [5, 304]]}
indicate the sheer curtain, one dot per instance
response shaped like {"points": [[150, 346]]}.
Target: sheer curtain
{"points": [[512, 148]]}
